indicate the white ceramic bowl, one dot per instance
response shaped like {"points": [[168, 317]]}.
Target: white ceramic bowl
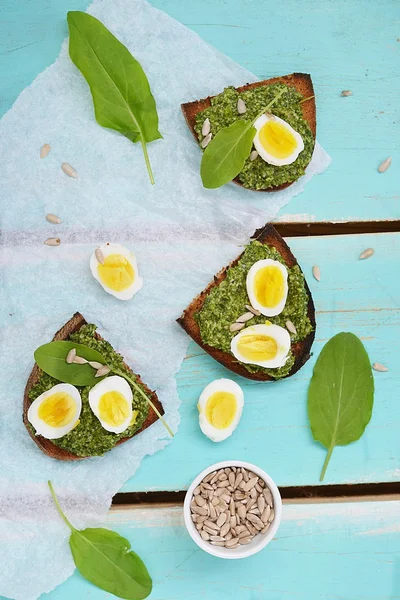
{"points": [[258, 542]]}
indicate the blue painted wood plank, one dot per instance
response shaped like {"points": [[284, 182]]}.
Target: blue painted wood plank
{"points": [[358, 296], [272, 38], [321, 552]]}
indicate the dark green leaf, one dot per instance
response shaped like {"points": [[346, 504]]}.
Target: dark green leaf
{"points": [[103, 557], [341, 393], [226, 154], [51, 359], [120, 89]]}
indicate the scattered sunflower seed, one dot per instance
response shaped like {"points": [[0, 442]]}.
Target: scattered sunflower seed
{"points": [[71, 356], [205, 130], [290, 327], [104, 370], [79, 360], [95, 364], [378, 367], [99, 255], [346, 93], [366, 254], [206, 140], [52, 242], [246, 317], [253, 155], [44, 150], [236, 327], [316, 272], [68, 170], [241, 106], [53, 219], [385, 165]]}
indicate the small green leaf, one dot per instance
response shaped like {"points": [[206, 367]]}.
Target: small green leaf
{"points": [[120, 89], [51, 358], [226, 154], [341, 393], [104, 558]]}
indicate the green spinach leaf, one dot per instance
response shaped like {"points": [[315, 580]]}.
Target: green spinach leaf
{"points": [[120, 89], [225, 155], [104, 558], [51, 358], [341, 393]]}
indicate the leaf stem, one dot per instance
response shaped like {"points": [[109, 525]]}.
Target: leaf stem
{"points": [[58, 507], [141, 392], [146, 158], [305, 99], [325, 465]]}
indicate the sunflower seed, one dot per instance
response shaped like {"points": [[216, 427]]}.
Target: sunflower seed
{"points": [[253, 493], [208, 477], [200, 510], [238, 479], [378, 367], [244, 318], [346, 93], [215, 501], [253, 310], [222, 476], [232, 522], [268, 497], [44, 150], [194, 518], [199, 526], [290, 327], [228, 536], [206, 485], [213, 512], [223, 484], [241, 511], [202, 518], [385, 165], [265, 529], [245, 541], [221, 520], [52, 242], [244, 533], [68, 170], [199, 500], [226, 498], [241, 106], [79, 360], [366, 253], [265, 514], [209, 530], [236, 327], [231, 479], [196, 491], [205, 130], [250, 504], [232, 508], [271, 516], [205, 536], [70, 356], [316, 272], [253, 155], [95, 365], [103, 371], [206, 140], [53, 219], [211, 525], [218, 543], [245, 475], [250, 484], [261, 504], [99, 255], [225, 529], [232, 543]]}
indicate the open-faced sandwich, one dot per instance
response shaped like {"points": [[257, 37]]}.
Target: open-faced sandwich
{"points": [[257, 316], [81, 399], [260, 135]]}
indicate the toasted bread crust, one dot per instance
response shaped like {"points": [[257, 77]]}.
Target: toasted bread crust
{"points": [[47, 446], [303, 84], [301, 350]]}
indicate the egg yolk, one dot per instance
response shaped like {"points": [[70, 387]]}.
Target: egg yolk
{"points": [[57, 410], [116, 273], [269, 286], [257, 347], [113, 408], [221, 409], [276, 139]]}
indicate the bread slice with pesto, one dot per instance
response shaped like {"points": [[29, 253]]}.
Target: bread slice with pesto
{"points": [[209, 317], [91, 435], [221, 110]]}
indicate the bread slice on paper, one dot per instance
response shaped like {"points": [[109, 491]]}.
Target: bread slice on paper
{"points": [[301, 350], [47, 446], [301, 81]]}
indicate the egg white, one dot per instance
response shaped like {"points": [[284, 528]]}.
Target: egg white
{"points": [[106, 250], [114, 383], [220, 385], [279, 334], [269, 158], [42, 428], [268, 311]]}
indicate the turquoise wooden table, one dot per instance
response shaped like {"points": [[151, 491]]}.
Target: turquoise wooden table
{"points": [[345, 547]]}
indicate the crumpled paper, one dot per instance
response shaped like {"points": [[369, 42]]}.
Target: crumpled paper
{"points": [[180, 232]]}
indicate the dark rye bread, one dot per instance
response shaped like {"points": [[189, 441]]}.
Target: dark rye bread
{"points": [[47, 446], [301, 350], [303, 84]]}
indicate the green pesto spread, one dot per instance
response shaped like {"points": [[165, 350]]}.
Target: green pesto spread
{"points": [[227, 301], [89, 438], [258, 174]]}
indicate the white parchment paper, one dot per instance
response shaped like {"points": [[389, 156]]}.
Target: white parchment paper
{"points": [[180, 233]]}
